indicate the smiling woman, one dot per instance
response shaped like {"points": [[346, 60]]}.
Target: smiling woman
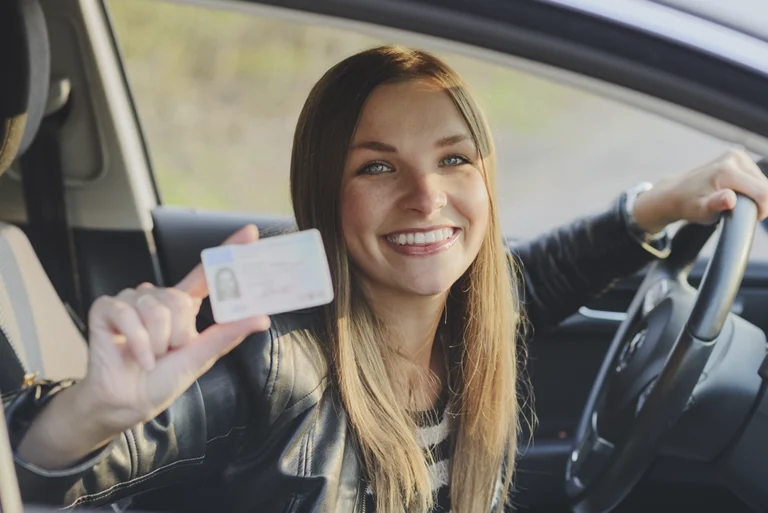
{"points": [[410, 156], [401, 393]]}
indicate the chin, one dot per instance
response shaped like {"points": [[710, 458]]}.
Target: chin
{"points": [[431, 288]]}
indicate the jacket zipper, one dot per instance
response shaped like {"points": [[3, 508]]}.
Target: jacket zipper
{"points": [[361, 494]]}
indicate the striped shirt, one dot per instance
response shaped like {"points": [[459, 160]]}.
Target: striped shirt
{"points": [[434, 430]]}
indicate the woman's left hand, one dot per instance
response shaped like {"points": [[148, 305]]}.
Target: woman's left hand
{"points": [[702, 194]]}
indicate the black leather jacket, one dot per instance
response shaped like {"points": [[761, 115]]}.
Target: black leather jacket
{"points": [[264, 431]]}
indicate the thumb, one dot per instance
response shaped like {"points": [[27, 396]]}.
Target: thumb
{"points": [[719, 201], [194, 283], [213, 343]]}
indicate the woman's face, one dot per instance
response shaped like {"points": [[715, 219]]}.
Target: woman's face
{"points": [[227, 285], [414, 204]]}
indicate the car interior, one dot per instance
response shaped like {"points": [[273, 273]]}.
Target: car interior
{"points": [[81, 216]]}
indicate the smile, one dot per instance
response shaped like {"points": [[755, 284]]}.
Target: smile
{"points": [[421, 238], [422, 243]]}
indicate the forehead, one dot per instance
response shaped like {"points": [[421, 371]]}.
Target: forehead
{"points": [[411, 109]]}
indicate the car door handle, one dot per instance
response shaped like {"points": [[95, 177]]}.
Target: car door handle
{"points": [[602, 315]]}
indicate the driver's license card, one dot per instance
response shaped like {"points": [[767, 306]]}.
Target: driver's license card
{"points": [[273, 275]]}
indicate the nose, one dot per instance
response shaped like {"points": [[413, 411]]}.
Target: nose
{"points": [[425, 193]]}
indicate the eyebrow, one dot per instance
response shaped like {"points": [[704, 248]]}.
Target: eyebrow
{"points": [[374, 145], [452, 139], [380, 146]]}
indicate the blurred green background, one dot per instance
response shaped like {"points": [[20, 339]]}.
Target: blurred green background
{"points": [[219, 92]]}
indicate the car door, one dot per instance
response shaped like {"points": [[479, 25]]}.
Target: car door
{"points": [[217, 92]]}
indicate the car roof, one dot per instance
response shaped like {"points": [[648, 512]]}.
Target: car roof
{"points": [[747, 16], [736, 31]]}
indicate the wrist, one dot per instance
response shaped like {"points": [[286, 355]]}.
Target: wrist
{"points": [[84, 402], [651, 210], [106, 420], [68, 428]]}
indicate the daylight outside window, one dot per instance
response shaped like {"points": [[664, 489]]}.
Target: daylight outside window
{"points": [[218, 94]]}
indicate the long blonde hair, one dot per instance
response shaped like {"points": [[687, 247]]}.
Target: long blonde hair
{"points": [[483, 304]]}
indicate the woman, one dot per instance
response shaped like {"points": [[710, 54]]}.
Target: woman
{"points": [[226, 284], [401, 394]]}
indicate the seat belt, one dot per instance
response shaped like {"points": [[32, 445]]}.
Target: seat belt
{"points": [[42, 179]]}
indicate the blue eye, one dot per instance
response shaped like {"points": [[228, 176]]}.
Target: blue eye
{"points": [[454, 161], [377, 168]]}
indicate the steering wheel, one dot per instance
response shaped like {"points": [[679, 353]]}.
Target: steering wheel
{"points": [[655, 360]]}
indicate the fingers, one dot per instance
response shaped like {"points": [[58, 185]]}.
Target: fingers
{"points": [[736, 171], [194, 283], [748, 164], [168, 316], [182, 310], [153, 320], [720, 201], [123, 320], [214, 343], [157, 319]]}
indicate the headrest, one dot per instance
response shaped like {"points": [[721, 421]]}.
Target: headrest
{"points": [[24, 75]]}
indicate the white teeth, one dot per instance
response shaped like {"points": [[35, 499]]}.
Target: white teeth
{"points": [[421, 237]]}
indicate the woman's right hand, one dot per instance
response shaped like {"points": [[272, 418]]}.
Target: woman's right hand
{"points": [[144, 353], [145, 350]]}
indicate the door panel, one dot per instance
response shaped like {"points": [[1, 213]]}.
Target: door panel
{"points": [[562, 365]]}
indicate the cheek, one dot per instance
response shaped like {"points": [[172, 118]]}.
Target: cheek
{"points": [[359, 214], [473, 203]]}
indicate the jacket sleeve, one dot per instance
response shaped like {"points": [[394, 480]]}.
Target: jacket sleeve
{"points": [[194, 438], [574, 264]]}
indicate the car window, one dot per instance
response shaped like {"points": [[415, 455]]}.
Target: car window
{"points": [[218, 94]]}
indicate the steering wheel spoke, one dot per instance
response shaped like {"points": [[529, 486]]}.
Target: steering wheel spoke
{"points": [[588, 460]]}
